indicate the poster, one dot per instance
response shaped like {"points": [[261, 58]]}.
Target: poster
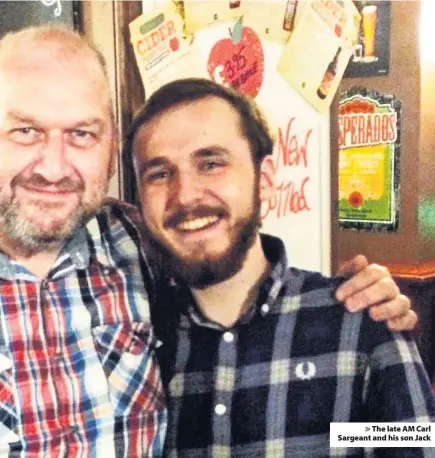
{"points": [[161, 47], [315, 57], [372, 50], [316, 39], [369, 155], [237, 59]]}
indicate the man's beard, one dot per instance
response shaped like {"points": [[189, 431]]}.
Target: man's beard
{"points": [[27, 235], [214, 269]]}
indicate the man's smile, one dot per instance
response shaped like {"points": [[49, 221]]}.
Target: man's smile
{"points": [[195, 224]]}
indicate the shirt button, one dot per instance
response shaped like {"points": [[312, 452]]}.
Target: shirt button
{"points": [[265, 309], [220, 409], [106, 271], [136, 345], [228, 337]]}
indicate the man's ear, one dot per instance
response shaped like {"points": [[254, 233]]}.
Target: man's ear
{"points": [[267, 178]]}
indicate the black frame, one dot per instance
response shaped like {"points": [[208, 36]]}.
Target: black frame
{"points": [[18, 14], [380, 67]]}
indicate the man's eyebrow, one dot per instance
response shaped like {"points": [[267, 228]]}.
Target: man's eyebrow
{"points": [[143, 166], [160, 161], [18, 116], [99, 123], [211, 150]]}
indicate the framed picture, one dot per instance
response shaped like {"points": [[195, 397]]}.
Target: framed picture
{"points": [[372, 50], [369, 160]]}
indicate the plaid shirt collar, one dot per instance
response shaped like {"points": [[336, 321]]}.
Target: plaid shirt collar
{"points": [[76, 252], [274, 251]]}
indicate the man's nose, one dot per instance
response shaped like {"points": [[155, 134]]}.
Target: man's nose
{"points": [[52, 163], [188, 189]]}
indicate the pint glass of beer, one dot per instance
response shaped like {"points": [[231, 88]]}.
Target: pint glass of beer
{"points": [[369, 29]]}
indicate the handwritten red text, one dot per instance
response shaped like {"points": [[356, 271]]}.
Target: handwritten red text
{"points": [[290, 196]]}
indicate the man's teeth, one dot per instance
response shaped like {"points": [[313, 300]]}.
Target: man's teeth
{"points": [[197, 223]]}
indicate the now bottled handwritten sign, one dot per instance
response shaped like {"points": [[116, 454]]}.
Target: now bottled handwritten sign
{"points": [[290, 196]]}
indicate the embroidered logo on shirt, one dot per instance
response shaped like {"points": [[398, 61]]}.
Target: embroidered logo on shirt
{"points": [[305, 371]]}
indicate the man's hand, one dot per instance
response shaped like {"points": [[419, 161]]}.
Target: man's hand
{"points": [[371, 285]]}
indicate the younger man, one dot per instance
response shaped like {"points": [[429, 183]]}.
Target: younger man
{"points": [[257, 357]]}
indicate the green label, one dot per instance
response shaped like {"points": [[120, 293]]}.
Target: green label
{"points": [[152, 24]]}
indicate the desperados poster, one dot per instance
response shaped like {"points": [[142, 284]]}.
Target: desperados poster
{"points": [[369, 154]]}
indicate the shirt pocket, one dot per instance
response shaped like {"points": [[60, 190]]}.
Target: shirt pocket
{"points": [[126, 352], [8, 407]]}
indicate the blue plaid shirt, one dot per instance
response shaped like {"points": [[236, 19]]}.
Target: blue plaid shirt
{"points": [[78, 372], [270, 385]]}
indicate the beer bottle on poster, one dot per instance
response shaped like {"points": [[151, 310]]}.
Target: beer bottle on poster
{"points": [[289, 17], [234, 3], [328, 77]]}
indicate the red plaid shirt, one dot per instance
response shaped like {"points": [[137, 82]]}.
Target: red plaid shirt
{"points": [[78, 374]]}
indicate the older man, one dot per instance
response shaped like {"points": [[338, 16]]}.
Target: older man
{"points": [[78, 373], [257, 357]]}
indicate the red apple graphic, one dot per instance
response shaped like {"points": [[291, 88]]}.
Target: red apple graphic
{"points": [[174, 44], [356, 199], [238, 64]]}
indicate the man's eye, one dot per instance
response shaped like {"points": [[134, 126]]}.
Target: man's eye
{"points": [[159, 176], [25, 135], [82, 138], [211, 165]]}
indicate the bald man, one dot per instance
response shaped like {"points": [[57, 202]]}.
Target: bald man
{"points": [[78, 374]]}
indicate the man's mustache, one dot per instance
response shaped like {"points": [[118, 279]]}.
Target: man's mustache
{"points": [[38, 182]]}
